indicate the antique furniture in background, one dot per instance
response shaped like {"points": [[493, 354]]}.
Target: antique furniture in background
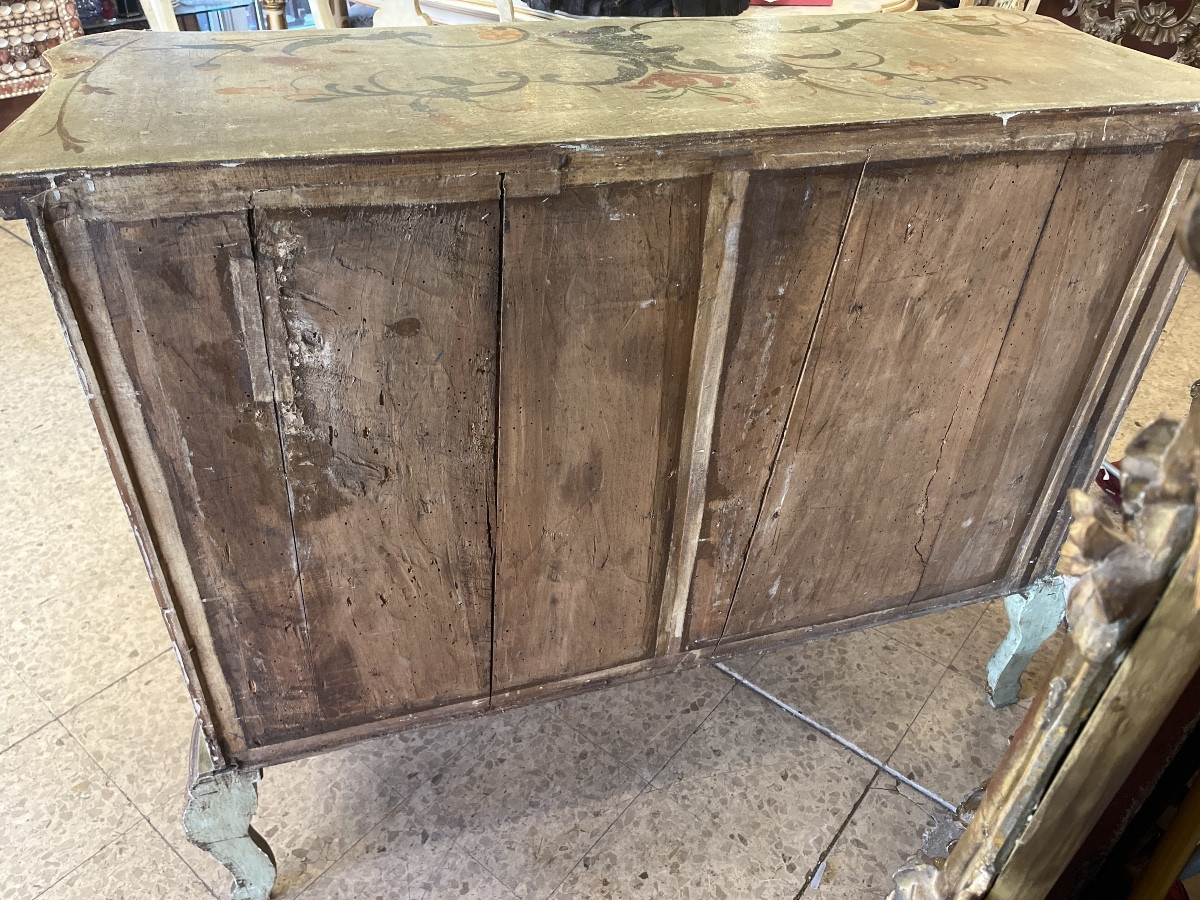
{"points": [[481, 365], [27, 31], [1167, 28]]}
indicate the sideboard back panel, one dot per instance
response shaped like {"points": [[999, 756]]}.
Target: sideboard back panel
{"points": [[1074, 292], [599, 303], [593, 352], [908, 335], [791, 232], [382, 331], [172, 307]]}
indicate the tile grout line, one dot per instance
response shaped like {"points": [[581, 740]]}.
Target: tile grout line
{"points": [[824, 856], [962, 643], [908, 728], [946, 667], [175, 850], [391, 812], [113, 780], [646, 787], [16, 237], [57, 717], [833, 735]]}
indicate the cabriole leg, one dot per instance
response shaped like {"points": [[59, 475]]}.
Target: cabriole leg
{"points": [[220, 805], [1032, 617]]}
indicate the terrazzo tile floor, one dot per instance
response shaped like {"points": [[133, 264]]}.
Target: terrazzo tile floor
{"points": [[682, 786]]}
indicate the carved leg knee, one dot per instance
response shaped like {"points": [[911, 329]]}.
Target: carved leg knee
{"points": [[1032, 617], [220, 805]]}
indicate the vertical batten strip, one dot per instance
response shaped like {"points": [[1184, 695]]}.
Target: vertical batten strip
{"points": [[722, 234]]}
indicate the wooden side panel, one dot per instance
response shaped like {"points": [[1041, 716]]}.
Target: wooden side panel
{"points": [[382, 323], [791, 230], [908, 337], [600, 287], [1105, 208], [180, 324]]}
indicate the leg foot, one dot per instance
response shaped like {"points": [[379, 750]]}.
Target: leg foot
{"points": [[220, 805], [1032, 617]]}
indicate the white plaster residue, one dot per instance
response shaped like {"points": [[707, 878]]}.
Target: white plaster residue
{"points": [[774, 590], [967, 524], [187, 461], [787, 484], [229, 165], [646, 304], [1005, 116]]}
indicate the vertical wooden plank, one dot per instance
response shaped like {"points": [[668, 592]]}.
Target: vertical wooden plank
{"points": [[900, 362], [599, 301], [182, 305], [1102, 214], [793, 226], [383, 325], [719, 266], [115, 410]]}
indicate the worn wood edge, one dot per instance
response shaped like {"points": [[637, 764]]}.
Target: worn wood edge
{"points": [[1161, 662], [298, 748], [544, 169], [899, 613], [1107, 419], [191, 642], [155, 496], [414, 190], [287, 751], [1036, 552], [577, 684], [719, 264]]}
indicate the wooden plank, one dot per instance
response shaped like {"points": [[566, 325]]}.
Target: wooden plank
{"points": [[1147, 303], [691, 77], [181, 306], [1101, 215], [913, 322], [794, 223], [719, 261], [114, 407], [599, 300], [382, 338], [163, 189]]}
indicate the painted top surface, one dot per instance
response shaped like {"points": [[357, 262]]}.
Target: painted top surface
{"points": [[137, 98]]}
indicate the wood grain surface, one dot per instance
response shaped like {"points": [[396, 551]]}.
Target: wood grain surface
{"points": [[792, 232], [599, 301], [181, 303], [381, 324], [908, 336], [1102, 213]]}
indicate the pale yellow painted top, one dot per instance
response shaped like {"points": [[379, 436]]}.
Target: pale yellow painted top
{"points": [[138, 98]]}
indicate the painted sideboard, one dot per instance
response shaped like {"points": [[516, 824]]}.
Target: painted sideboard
{"points": [[448, 369]]}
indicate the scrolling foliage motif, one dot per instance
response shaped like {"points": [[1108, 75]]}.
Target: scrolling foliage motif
{"points": [[638, 58], [1156, 23], [664, 72]]}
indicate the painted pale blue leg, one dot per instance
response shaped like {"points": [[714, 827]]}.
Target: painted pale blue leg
{"points": [[220, 805], [1032, 617]]}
